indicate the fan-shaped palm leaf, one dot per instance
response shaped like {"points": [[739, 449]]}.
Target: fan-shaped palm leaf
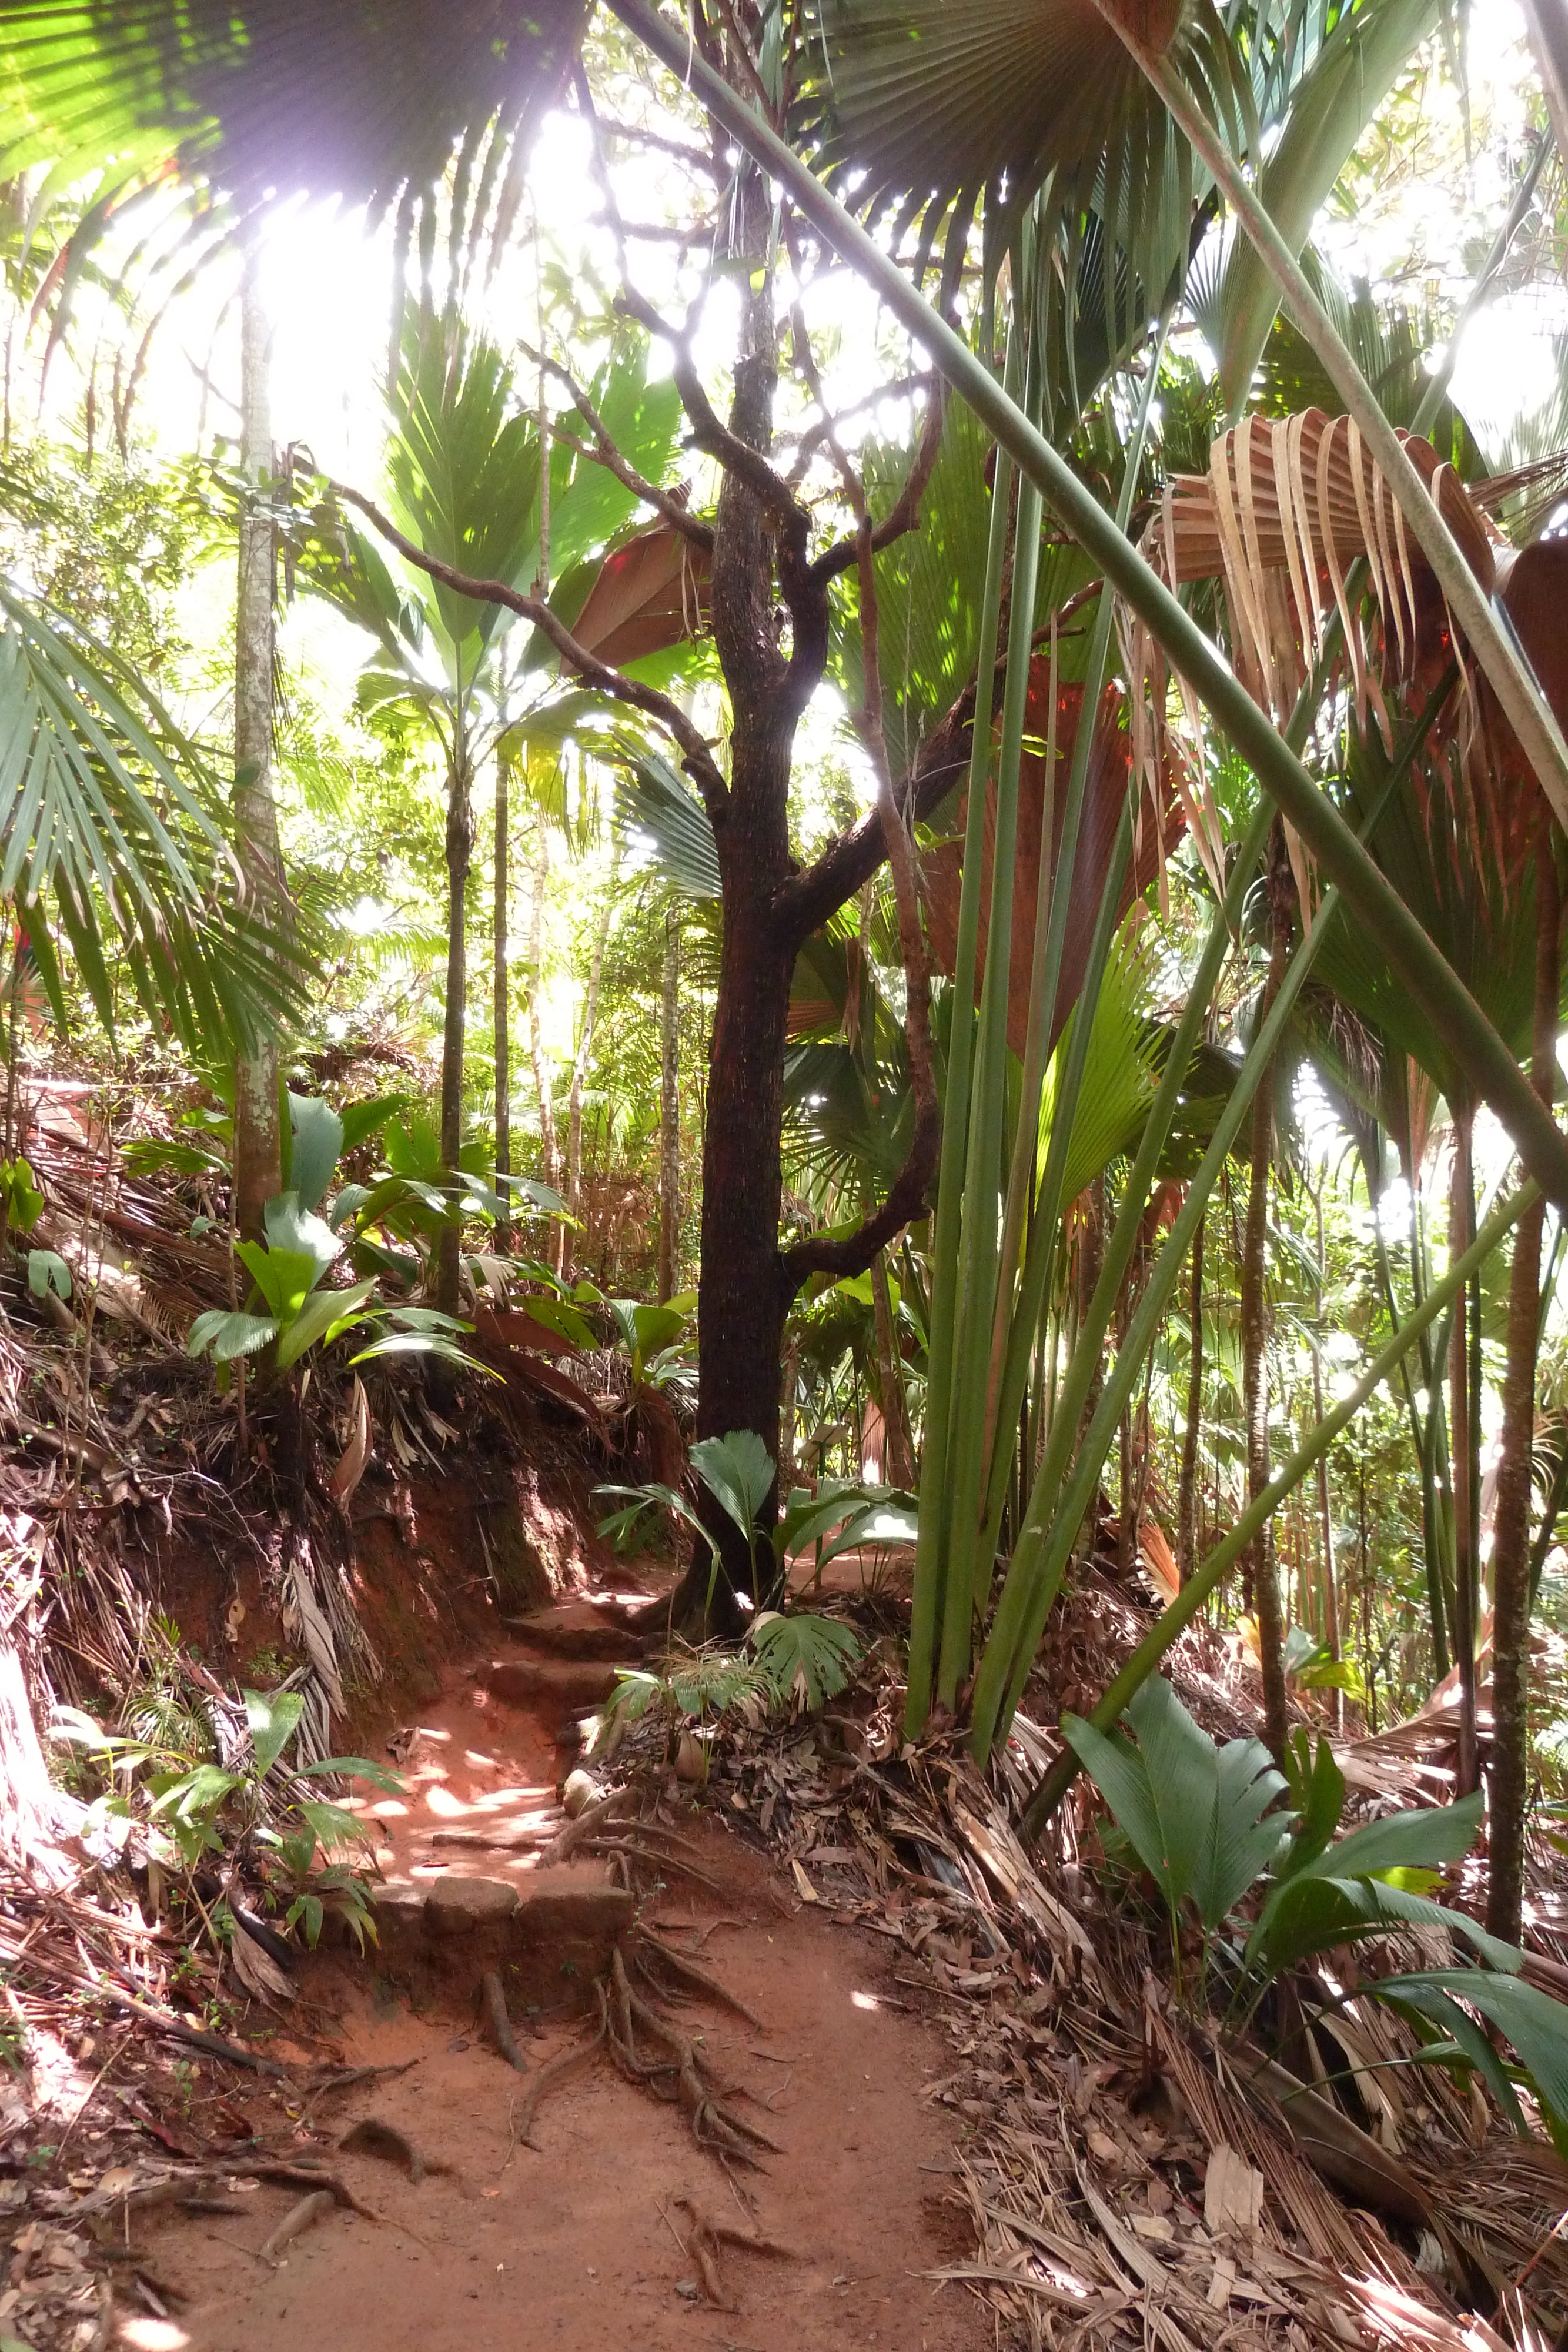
{"points": [[366, 98]]}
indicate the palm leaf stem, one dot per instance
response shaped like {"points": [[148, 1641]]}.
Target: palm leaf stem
{"points": [[1411, 956], [982, 1273], [1040, 1554], [1157, 1641], [931, 1547], [1011, 1344]]}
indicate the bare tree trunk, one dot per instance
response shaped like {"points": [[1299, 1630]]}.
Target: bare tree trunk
{"points": [[585, 1041], [1255, 1337], [536, 1026], [1186, 1548], [1509, 1772], [502, 997], [670, 1114], [459, 858], [1461, 1218], [257, 1140], [899, 1468], [1331, 1582]]}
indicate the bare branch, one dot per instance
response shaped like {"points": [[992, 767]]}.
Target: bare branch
{"points": [[904, 513], [697, 760], [605, 453], [715, 438], [691, 156]]}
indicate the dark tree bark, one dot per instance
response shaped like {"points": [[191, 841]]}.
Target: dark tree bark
{"points": [[1461, 1233], [670, 1113], [503, 995], [1187, 1493], [1255, 1326], [459, 858], [1509, 1772], [257, 1134]]}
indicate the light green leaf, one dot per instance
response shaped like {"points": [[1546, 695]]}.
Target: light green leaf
{"points": [[272, 1723]]}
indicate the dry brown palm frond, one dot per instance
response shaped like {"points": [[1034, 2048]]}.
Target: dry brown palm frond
{"points": [[1286, 509]]}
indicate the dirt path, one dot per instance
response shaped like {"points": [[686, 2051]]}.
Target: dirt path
{"points": [[583, 2242]]}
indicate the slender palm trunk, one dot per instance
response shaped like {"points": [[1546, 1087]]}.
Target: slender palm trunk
{"points": [[547, 1144], [257, 1140], [1461, 1223], [1509, 1772], [1325, 1515], [670, 1114], [585, 1041], [900, 1463], [503, 1023], [459, 858], [1186, 1493], [1255, 1334]]}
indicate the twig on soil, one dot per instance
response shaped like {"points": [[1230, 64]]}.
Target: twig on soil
{"points": [[295, 2221], [500, 2024]]}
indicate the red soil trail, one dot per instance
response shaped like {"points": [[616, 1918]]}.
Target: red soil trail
{"points": [[582, 2242]]}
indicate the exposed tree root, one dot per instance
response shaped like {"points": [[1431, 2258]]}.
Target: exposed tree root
{"points": [[587, 1824], [687, 1971], [707, 2233], [561, 2069], [678, 2070], [712, 2124], [506, 2041]]}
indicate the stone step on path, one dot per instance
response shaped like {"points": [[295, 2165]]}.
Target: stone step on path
{"points": [[577, 1629], [548, 1942]]}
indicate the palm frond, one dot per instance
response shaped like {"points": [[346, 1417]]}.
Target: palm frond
{"points": [[108, 813], [658, 817], [1329, 106], [364, 98]]}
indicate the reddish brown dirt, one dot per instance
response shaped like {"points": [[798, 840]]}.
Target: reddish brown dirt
{"points": [[576, 2245]]}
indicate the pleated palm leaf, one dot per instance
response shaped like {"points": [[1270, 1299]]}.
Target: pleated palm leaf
{"points": [[370, 100], [935, 110], [112, 842]]}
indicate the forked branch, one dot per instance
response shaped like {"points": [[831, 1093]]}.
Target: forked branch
{"points": [[696, 758]]}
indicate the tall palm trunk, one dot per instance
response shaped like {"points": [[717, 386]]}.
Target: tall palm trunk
{"points": [[257, 1139], [899, 1467], [1187, 1493], [670, 1113], [585, 1041], [459, 858], [503, 1023], [1325, 1515], [1510, 1555], [1461, 1233], [549, 1146], [1255, 1329]]}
